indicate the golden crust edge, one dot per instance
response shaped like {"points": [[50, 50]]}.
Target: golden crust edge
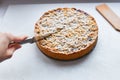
{"points": [[71, 56]]}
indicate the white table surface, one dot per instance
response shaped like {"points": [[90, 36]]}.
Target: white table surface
{"points": [[28, 63]]}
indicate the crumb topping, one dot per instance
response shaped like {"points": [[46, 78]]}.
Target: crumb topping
{"points": [[71, 30]]}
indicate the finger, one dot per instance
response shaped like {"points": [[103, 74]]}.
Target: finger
{"points": [[16, 38], [19, 38], [13, 45], [11, 50], [9, 53]]}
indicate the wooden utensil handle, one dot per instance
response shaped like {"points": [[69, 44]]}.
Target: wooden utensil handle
{"points": [[109, 15]]}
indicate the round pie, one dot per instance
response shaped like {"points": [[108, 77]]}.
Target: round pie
{"points": [[66, 33]]}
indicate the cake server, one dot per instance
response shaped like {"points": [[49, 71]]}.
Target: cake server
{"points": [[29, 40]]}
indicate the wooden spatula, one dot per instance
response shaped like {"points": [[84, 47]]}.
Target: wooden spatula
{"points": [[109, 15]]}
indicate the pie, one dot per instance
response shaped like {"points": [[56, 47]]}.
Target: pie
{"points": [[66, 33]]}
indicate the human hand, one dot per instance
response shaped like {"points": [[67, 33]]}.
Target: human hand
{"points": [[6, 49]]}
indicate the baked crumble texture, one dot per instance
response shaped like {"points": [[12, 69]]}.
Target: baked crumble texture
{"points": [[72, 33]]}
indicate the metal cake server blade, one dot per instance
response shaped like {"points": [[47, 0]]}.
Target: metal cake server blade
{"points": [[30, 40]]}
